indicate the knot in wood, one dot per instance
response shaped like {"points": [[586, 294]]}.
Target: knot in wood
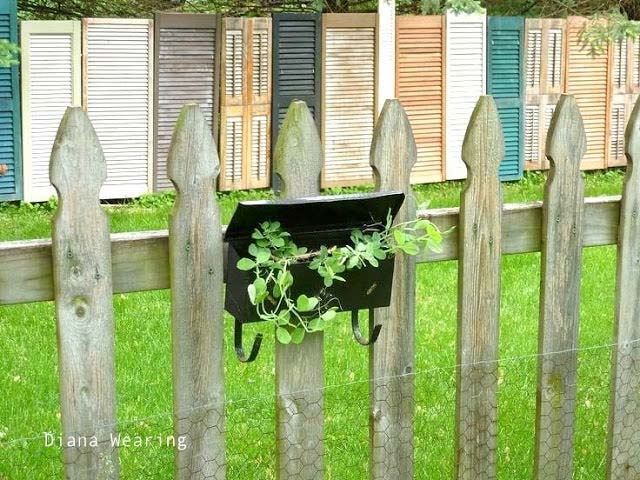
{"points": [[3, 169]]}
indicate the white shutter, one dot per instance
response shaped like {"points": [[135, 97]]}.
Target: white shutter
{"points": [[233, 152], [617, 133], [117, 92], [465, 67], [534, 52], [620, 65], [260, 54], [636, 63], [51, 80], [531, 133], [260, 149], [554, 57], [234, 66], [348, 98]]}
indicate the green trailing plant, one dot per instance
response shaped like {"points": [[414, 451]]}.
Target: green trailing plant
{"points": [[273, 252], [8, 53], [606, 28]]}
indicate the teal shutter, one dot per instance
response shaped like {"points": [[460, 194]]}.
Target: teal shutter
{"points": [[297, 60], [10, 139], [505, 81]]}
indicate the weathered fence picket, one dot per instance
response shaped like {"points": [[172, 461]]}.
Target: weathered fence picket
{"points": [[562, 223], [299, 368], [195, 250], [83, 296], [479, 295], [624, 419], [392, 357], [81, 268]]}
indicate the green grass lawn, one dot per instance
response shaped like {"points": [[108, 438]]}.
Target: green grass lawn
{"points": [[29, 377]]}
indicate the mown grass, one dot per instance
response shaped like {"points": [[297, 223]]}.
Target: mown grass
{"points": [[29, 377]]}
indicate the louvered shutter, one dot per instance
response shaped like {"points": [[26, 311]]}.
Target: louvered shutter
{"points": [[587, 79], [465, 82], [245, 103], [117, 72], [297, 64], [420, 87], [505, 64], [544, 75], [348, 101], [385, 53], [185, 72], [10, 138], [51, 82]]}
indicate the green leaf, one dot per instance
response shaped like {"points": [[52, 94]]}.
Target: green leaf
{"points": [[284, 318], [298, 335], [328, 315], [253, 250], [306, 304], [316, 325], [245, 264], [399, 237], [251, 290], [263, 255], [278, 242], [411, 249], [283, 335]]}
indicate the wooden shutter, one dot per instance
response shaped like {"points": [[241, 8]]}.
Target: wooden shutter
{"points": [[544, 78], [420, 87], [51, 81], [625, 86], [245, 103], [465, 67], [297, 62], [10, 137], [587, 78], [505, 81], [348, 100], [186, 70], [117, 94]]}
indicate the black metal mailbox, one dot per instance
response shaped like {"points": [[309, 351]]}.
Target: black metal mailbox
{"points": [[312, 222]]}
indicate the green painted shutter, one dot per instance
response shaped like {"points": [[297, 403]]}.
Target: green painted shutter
{"points": [[505, 81], [296, 65], [10, 139]]}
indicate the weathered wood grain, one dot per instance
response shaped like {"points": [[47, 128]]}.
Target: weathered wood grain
{"points": [[299, 368], [392, 357], [196, 278], [141, 260], [624, 418], [83, 294], [480, 240], [562, 225]]}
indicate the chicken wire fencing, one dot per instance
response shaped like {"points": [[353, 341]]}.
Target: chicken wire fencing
{"points": [[146, 445]]}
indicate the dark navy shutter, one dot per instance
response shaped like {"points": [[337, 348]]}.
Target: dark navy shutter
{"points": [[296, 65], [505, 81], [10, 138]]}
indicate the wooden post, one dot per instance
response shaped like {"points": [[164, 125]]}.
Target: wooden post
{"points": [[480, 253], [299, 368], [562, 222], [391, 358], [624, 419], [81, 251], [196, 271]]}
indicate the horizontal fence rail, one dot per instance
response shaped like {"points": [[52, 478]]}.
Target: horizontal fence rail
{"points": [[141, 259]]}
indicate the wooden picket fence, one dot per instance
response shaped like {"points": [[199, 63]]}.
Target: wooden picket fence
{"points": [[82, 266]]}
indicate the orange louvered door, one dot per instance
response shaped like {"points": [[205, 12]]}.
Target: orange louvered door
{"points": [[587, 78], [544, 79], [245, 103], [420, 87]]}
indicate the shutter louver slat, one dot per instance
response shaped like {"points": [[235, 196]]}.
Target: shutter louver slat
{"points": [[554, 57], [617, 132], [620, 65], [51, 81], [260, 149], [531, 134], [348, 98], [420, 86], [233, 156], [534, 52], [234, 65], [118, 100], [10, 146], [185, 72], [506, 83], [636, 63], [465, 72]]}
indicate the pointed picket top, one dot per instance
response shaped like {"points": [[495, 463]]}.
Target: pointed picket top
{"points": [[483, 145], [192, 163], [566, 141], [393, 148], [77, 158], [298, 157]]}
